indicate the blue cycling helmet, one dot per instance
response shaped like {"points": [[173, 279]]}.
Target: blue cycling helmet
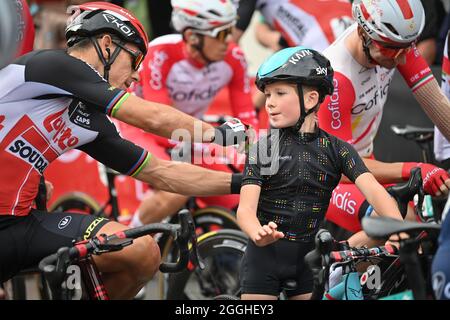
{"points": [[302, 66]]}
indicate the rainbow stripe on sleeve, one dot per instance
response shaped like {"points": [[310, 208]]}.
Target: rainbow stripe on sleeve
{"points": [[140, 164], [116, 103]]}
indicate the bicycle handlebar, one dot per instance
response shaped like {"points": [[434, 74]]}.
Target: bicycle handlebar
{"points": [[54, 266], [361, 253], [322, 257]]}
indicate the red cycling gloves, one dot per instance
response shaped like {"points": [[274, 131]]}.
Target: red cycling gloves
{"points": [[433, 177]]}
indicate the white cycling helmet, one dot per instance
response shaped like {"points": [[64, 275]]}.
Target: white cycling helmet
{"points": [[392, 21], [202, 14]]}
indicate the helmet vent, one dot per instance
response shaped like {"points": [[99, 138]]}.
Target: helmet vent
{"points": [[92, 13], [214, 12], [391, 28]]}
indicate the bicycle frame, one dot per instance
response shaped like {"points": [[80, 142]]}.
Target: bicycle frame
{"points": [[54, 266], [348, 289]]}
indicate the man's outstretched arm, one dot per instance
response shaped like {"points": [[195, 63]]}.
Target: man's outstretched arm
{"points": [[187, 179], [161, 119]]}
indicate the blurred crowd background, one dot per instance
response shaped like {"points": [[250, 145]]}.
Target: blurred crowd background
{"points": [[50, 18]]}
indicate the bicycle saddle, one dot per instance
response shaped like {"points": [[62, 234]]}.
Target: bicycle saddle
{"points": [[419, 134], [381, 228]]}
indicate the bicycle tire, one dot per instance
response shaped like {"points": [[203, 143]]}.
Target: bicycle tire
{"points": [[207, 219], [222, 252], [76, 202]]}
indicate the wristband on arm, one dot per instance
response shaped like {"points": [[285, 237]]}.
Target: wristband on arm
{"points": [[236, 182]]}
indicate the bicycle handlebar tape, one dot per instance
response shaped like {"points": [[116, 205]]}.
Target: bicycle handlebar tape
{"points": [[236, 182]]}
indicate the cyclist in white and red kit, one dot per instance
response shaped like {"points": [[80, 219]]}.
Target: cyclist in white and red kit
{"points": [[364, 59]]}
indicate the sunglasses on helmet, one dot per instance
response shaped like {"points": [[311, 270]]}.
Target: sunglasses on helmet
{"points": [[137, 55], [220, 33]]}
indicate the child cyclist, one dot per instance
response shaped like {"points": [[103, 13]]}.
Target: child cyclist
{"points": [[290, 175]]}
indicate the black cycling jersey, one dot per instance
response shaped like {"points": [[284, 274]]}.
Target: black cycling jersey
{"points": [[308, 166], [51, 102]]}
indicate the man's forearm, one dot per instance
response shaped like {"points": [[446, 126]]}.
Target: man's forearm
{"points": [[163, 120], [186, 179], [385, 172], [436, 106]]}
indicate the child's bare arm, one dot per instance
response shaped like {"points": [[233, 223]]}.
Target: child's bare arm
{"points": [[377, 196], [248, 221]]}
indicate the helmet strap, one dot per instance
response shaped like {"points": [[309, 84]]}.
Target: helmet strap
{"points": [[199, 47], [303, 112], [108, 61], [302, 108], [365, 45]]}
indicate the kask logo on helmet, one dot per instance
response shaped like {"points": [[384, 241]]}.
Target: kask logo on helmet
{"points": [[300, 55], [362, 23], [122, 26]]}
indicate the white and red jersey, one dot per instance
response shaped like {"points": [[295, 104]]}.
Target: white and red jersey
{"points": [[354, 111], [311, 23], [50, 103], [170, 76], [441, 144]]}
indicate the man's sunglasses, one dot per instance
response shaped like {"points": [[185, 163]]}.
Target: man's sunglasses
{"points": [[220, 33], [137, 55], [392, 51]]}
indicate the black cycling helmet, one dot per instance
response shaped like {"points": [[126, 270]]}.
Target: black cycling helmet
{"points": [[94, 18], [302, 66]]}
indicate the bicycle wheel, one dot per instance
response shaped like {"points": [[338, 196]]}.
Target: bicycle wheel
{"points": [[76, 202], [222, 252], [206, 220]]}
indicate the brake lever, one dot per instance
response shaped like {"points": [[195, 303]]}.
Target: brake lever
{"points": [[110, 245]]}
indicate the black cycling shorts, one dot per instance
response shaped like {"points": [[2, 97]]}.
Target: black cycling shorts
{"points": [[266, 270], [25, 240]]}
